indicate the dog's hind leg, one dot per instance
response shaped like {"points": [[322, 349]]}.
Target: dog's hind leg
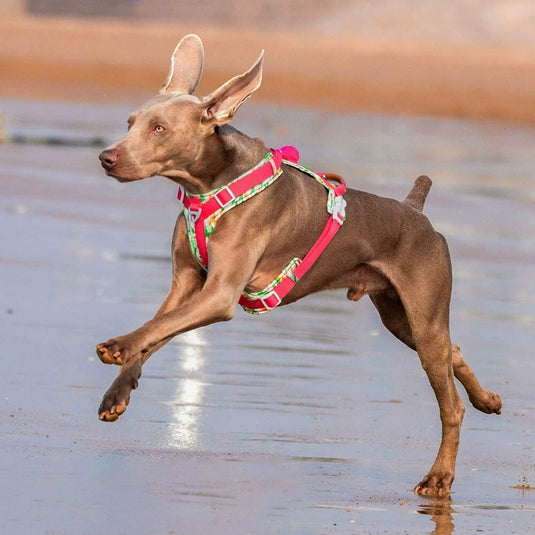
{"points": [[481, 399], [424, 288], [432, 342], [395, 319], [434, 349]]}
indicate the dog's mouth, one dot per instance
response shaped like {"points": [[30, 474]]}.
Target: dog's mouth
{"points": [[111, 172], [121, 168], [125, 177]]}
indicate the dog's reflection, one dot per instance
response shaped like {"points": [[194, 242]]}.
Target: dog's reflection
{"points": [[441, 513]]}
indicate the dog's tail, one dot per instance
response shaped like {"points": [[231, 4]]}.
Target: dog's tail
{"points": [[418, 193]]}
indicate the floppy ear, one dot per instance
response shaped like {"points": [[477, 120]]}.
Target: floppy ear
{"points": [[221, 105], [186, 66]]}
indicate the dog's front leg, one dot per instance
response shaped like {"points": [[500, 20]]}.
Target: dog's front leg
{"points": [[186, 283], [202, 309], [216, 301]]}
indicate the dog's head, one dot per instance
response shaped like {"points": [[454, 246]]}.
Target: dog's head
{"points": [[170, 133]]}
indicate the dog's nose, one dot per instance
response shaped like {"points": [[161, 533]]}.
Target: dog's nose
{"points": [[109, 158]]}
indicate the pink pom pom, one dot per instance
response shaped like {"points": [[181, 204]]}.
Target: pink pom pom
{"points": [[290, 153]]}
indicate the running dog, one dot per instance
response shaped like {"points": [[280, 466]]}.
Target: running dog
{"points": [[260, 230]]}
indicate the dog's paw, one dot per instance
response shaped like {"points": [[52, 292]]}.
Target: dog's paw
{"points": [[489, 403], [434, 484], [109, 355], [110, 409], [115, 351], [117, 397]]}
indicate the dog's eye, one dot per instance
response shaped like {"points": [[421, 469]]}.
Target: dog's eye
{"points": [[159, 128]]}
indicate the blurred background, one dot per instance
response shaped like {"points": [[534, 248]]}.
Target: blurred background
{"points": [[463, 58]]}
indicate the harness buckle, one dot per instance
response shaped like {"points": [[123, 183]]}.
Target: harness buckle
{"points": [[337, 207], [194, 214]]}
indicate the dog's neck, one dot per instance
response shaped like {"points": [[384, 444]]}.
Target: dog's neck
{"points": [[223, 156]]}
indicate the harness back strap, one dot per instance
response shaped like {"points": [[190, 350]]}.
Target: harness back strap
{"points": [[203, 211]]}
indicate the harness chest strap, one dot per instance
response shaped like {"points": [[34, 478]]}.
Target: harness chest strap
{"points": [[202, 212]]}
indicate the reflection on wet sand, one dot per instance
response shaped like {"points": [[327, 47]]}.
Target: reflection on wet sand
{"points": [[441, 513], [186, 403]]}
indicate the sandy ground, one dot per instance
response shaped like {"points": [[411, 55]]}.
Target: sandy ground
{"points": [[387, 60], [309, 420]]}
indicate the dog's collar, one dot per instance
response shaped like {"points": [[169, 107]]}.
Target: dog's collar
{"points": [[203, 211]]}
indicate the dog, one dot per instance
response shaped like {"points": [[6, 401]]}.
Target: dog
{"points": [[255, 230]]}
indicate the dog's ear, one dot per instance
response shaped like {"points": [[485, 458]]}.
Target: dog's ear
{"points": [[186, 66], [221, 105]]}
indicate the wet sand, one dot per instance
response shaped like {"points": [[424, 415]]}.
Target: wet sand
{"points": [[310, 419]]}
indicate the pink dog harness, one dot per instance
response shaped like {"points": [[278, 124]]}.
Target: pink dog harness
{"points": [[203, 211]]}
